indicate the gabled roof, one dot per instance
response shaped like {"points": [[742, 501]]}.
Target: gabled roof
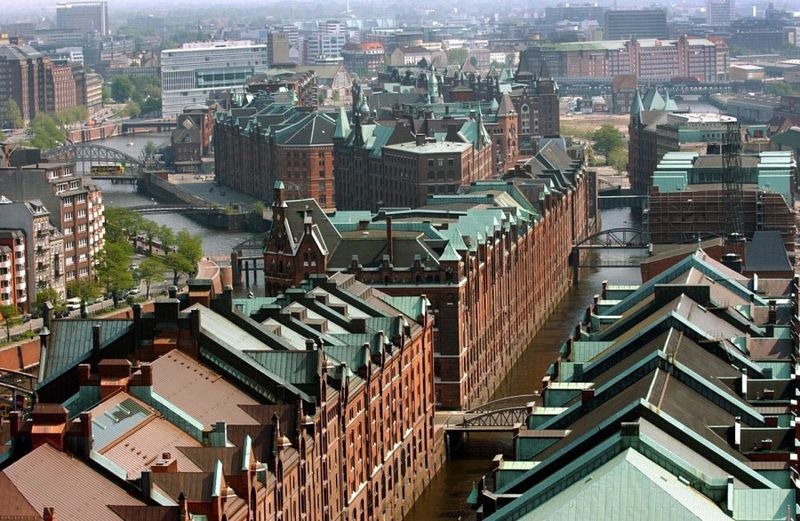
{"points": [[640, 488], [70, 343], [47, 477], [199, 391]]}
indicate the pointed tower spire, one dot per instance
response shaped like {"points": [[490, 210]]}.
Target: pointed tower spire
{"points": [[342, 130], [636, 106]]}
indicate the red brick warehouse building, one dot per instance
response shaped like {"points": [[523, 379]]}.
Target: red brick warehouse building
{"points": [[263, 141], [395, 164], [314, 405], [492, 262]]}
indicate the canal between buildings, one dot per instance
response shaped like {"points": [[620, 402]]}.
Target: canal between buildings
{"points": [[445, 497]]}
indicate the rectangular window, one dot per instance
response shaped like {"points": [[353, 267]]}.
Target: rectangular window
{"points": [[68, 216], [81, 228], [81, 213], [68, 201], [81, 198], [67, 231]]}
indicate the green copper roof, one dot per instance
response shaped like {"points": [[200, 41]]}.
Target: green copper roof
{"points": [[70, 343], [449, 254], [629, 487], [342, 125]]}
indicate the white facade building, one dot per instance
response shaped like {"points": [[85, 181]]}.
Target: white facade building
{"points": [[189, 75]]}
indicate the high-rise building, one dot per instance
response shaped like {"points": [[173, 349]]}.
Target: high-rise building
{"points": [[190, 74], [278, 48], [634, 23], [719, 13], [88, 17], [326, 43]]}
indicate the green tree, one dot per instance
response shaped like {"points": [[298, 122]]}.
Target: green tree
{"points": [[11, 317], [2, 136], [106, 93], [113, 267], [473, 61], [150, 231], [46, 132], [50, 295], [121, 89], [132, 109], [12, 114], [151, 270], [83, 289], [150, 148], [618, 158], [71, 115], [122, 224], [166, 237], [188, 251], [606, 139]]}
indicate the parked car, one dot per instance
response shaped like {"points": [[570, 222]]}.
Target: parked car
{"points": [[73, 303], [134, 291]]}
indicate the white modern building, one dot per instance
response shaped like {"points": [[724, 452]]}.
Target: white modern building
{"points": [[326, 43], [189, 75]]}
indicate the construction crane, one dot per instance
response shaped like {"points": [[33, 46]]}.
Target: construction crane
{"points": [[732, 179]]}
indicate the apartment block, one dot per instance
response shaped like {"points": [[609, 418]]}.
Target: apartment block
{"points": [[76, 211]]}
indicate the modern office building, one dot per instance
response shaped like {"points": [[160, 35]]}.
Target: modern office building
{"points": [[190, 74], [326, 43], [622, 24], [87, 17], [719, 13], [365, 59]]}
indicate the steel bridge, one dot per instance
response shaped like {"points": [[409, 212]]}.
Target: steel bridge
{"points": [[174, 208], [612, 239], [500, 415], [91, 153]]}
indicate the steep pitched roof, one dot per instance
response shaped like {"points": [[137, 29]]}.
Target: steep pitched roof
{"points": [[70, 343], [78, 492]]}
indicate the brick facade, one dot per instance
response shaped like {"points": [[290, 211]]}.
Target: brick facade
{"points": [[491, 289]]}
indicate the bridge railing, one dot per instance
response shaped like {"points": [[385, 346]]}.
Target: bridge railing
{"points": [[505, 402]]}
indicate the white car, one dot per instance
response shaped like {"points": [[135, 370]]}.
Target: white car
{"points": [[73, 303]]}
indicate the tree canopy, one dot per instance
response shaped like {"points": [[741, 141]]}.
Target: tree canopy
{"points": [[151, 270], [12, 115], [606, 139], [121, 89], [50, 295], [46, 133], [10, 314], [113, 267]]}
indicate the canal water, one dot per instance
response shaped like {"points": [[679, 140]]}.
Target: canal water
{"points": [[445, 497], [215, 243]]}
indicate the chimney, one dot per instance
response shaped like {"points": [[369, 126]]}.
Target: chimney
{"points": [[96, 339], [146, 375], [744, 383], [173, 292], [137, 325], [737, 432], [604, 291], [49, 514], [420, 139], [84, 374], [389, 245], [44, 335], [587, 395]]}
